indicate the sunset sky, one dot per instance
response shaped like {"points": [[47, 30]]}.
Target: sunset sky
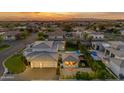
{"points": [[22, 16]]}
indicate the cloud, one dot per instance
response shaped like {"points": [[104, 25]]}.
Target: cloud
{"points": [[17, 16]]}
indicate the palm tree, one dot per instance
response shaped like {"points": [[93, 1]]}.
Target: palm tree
{"points": [[88, 39], [1, 39], [85, 36]]}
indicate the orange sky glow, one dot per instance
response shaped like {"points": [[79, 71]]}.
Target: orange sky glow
{"points": [[22, 16]]}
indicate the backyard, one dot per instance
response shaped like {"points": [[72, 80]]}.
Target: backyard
{"points": [[70, 46], [99, 69], [15, 64]]}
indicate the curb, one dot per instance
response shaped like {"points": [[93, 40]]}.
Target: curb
{"points": [[3, 63]]}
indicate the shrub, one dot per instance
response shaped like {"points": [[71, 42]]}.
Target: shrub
{"points": [[101, 74], [41, 36], [83, 76]]}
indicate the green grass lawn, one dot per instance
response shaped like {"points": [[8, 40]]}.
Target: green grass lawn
{"points": [[70, 49], [15, 64], [3, 47], [70, 46]]}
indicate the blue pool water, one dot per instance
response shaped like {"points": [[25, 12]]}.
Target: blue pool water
{"points": [[94, 55], [77, 52]]}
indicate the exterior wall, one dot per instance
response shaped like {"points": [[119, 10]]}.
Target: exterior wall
{"points": [[59, 38], [122, 58], [101, 48], [97, 37], [115, 68], [56, 37], [2, 33], [25, 53], [9, 37], [122, 71], [61, 47], [122, 32], [49, 50], [74, 66], [51, 37]]}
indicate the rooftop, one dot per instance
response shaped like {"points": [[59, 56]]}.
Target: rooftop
{"points": [[46, 56], [70, 56], [12, 32], [118, 62], [42, 44]]}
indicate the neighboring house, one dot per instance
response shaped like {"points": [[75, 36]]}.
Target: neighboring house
{"points": [[122, 32], [2, 33], [10, 35], [77, 28], [42, 54], [112, 53], [97, 35], [70, 60], [56, 35], [73, 35], [20, 27], [77, 34]]}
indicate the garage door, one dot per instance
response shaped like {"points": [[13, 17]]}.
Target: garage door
{"points": [[43, 64], [49, 64], [36, 65]]}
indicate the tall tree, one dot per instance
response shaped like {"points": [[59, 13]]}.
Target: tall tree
{"points": [[1, 39], [67, 27], [85, 36]]}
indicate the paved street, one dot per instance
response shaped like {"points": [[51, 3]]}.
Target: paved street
{"points": [[15, 47]]}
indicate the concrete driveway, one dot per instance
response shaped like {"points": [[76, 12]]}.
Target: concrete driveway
{"points": [[37, 74]]}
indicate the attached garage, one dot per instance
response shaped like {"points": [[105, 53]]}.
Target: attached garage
{"points": [[44, 60], [43, 64]]}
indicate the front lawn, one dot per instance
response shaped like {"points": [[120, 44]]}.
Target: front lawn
{"points": [[15, 64], [3, 47]]}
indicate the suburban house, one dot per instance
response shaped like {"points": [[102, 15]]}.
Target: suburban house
{"points": [[112, 54], [56, 35], [70, 60], [97, 35], [10, 35], [2, 33], [20, 27], [122, 32], [73, 35], [42, 54], [78, 28], [70, 64], [77, 34]]}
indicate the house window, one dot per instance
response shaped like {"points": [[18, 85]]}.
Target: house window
{"points": [[97, 48], [69, 63], [107, 52], [93, 46], [112, 55]]}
